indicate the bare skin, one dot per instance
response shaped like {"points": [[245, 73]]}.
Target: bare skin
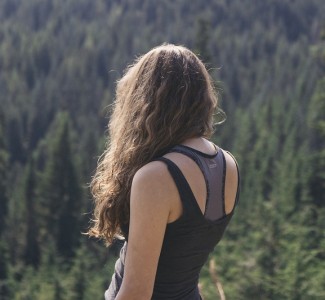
{"points": [[154, 202]]}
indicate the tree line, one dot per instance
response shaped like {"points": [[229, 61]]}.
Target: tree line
{"points": [[59, 63]]}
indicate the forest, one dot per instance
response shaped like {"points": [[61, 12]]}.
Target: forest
{"points": [[59, 63]]}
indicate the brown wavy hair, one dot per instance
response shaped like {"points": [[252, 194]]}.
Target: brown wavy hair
{"points": [[164, 98]]}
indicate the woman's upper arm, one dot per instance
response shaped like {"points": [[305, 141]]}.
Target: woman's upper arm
{"points": [[149, 211], [232, 182]]}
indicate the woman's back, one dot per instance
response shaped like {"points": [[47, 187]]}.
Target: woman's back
{"points": [[171, 207], [203, 192], [195, 174]]}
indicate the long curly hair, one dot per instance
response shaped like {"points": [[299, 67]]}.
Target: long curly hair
{"points": [[164, 98]]}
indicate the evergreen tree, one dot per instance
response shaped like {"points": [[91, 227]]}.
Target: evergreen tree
{"points": [[15, 143], [78, 276], [3, 172], [4, 264], [202, 40], [58, 290], [61, 191], [32, 250], [317, 138], [316, 174]]}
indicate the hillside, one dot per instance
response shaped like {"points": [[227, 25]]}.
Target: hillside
{"points": [[59, 62]]}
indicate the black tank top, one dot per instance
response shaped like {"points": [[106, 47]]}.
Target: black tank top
{"points": [[190, 239]]}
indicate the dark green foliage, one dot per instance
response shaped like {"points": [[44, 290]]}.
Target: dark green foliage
{"points": [[32, 248], [202, 40], [4, 266], [59, 63], [317, 123], [15, 141], [61, 193], [3, 177]]}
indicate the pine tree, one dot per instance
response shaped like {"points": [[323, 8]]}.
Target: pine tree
{"points": [[61, 191], [32, 250], [4, 288], [4, 262], [202, 40], [58, 290], [78, 276], [317, 136], [15, 143], [3, 172]]}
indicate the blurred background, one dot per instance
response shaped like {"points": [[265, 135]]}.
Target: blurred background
{"points": [[59, 62]]}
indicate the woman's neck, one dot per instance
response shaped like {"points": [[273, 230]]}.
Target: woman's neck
{"points": [[201, 144]]}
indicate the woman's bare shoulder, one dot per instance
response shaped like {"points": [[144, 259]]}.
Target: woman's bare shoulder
{"points": [[152, 172], [153, 179]]}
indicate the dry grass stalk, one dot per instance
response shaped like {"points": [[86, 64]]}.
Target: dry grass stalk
{"points": [[215, 280]]}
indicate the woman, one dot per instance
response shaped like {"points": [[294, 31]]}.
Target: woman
{"points": [[161, 184]]}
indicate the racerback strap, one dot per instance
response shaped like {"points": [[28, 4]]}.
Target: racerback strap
{"points": [[184, 189], [213, 168]]}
